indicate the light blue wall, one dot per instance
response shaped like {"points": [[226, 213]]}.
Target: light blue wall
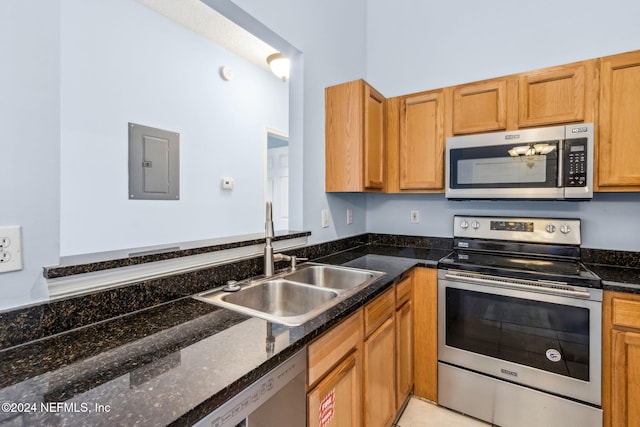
{"points": [[609, 221], [123, 62], [30, 143], [414, 45], [400, 47], [331, 36]]}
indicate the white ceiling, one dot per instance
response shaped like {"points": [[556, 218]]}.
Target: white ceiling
{"points": [[203, 20]]}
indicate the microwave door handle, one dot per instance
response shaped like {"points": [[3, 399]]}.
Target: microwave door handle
{"points": [[561, 163]]}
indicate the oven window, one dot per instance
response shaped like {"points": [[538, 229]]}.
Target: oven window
{"points": [[542, 335], [493, 167]]}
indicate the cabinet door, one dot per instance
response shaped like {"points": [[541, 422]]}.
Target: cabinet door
{"points": [[619, 128], [379, 373], [374, 139], [556, 95], [332, 346], [404, 352], [480, 107], [625, 381], [343, 137], [425, 327], [422, 142], [354, 138], [335, 401]]}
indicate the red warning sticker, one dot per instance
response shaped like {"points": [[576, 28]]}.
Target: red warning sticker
{"points": [[327, 408]]}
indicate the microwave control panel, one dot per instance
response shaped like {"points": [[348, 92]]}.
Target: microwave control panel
{"points": [[575, 161]]}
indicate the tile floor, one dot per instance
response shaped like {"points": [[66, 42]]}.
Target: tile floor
{"points": [[420, 413]]}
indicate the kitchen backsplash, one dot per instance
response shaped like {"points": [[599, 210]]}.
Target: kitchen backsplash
{"points": [[39, 321]]}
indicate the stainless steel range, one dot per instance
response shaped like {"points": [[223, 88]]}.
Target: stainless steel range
{"points": [[519, 324]]}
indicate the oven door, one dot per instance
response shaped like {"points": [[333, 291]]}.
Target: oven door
{"points": [[546, 339]]}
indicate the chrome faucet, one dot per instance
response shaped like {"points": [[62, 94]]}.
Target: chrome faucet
{"points": [[268, 248], [269, 256]]}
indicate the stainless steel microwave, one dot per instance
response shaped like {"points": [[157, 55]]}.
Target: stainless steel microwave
{"points": [[554, 163]]}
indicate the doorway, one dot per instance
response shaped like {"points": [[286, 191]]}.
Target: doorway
{"points": [[277, 181]]}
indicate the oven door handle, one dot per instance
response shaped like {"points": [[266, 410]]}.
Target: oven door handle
{"points": [[538, 286]]}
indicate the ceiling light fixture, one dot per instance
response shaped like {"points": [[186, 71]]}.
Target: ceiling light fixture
{"points": [[530, 151], [279, 65]]}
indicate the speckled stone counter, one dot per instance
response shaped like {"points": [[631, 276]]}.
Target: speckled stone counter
{"points": [[617, 278], [619, 270], [171, 364]]}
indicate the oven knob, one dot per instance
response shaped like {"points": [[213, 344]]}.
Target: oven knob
{"points": [[550, 228], [475, 224], [464, 224], [565, 229]]}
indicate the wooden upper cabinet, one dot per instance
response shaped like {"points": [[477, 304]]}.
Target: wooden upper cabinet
{"points": [[421, 142], [374, 139], [562, 94], [619, 124], [480, 107], [555, 95], [354, 138]]}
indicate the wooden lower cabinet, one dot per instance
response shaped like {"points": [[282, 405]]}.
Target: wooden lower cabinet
{"points": [[336, 400], [334, 375], [361, 371], [404, 341], [621, 359], [379, 373], [425, 323], [379, 396]]}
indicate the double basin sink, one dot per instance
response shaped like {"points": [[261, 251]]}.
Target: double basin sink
{"points": [[294, 297]]}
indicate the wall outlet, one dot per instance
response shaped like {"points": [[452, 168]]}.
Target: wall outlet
{"points": [[10, 248], [325, 218], [349, 216], [415, 217]]}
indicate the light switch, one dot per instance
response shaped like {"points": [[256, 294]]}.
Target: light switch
{"points": [[325, 218]]}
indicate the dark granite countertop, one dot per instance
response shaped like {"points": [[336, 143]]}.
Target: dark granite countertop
{"points": [[171, 364], [617, 278]]}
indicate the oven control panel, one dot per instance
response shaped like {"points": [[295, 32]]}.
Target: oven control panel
{"points": [[530, 230]]}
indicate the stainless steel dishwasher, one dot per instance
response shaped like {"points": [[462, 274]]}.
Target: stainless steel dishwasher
{"points": [[278, 399]]}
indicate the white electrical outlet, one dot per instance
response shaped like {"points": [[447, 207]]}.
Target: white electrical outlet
{"points": [[325, 218], [415, 217], [349, 216], [10, 248]]}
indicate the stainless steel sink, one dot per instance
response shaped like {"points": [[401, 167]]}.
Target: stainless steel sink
{"points": [[293, 298], [330, 276]]}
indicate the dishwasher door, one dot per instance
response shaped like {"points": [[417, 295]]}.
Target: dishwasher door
{"points": [[277, 399]]}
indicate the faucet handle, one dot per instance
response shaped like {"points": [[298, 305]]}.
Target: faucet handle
{"points": [[294, 261]]}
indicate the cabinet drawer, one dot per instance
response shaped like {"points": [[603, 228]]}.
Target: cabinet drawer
{"points": [[626, 312], [378, 311], [403, 291], [330, 348]]}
